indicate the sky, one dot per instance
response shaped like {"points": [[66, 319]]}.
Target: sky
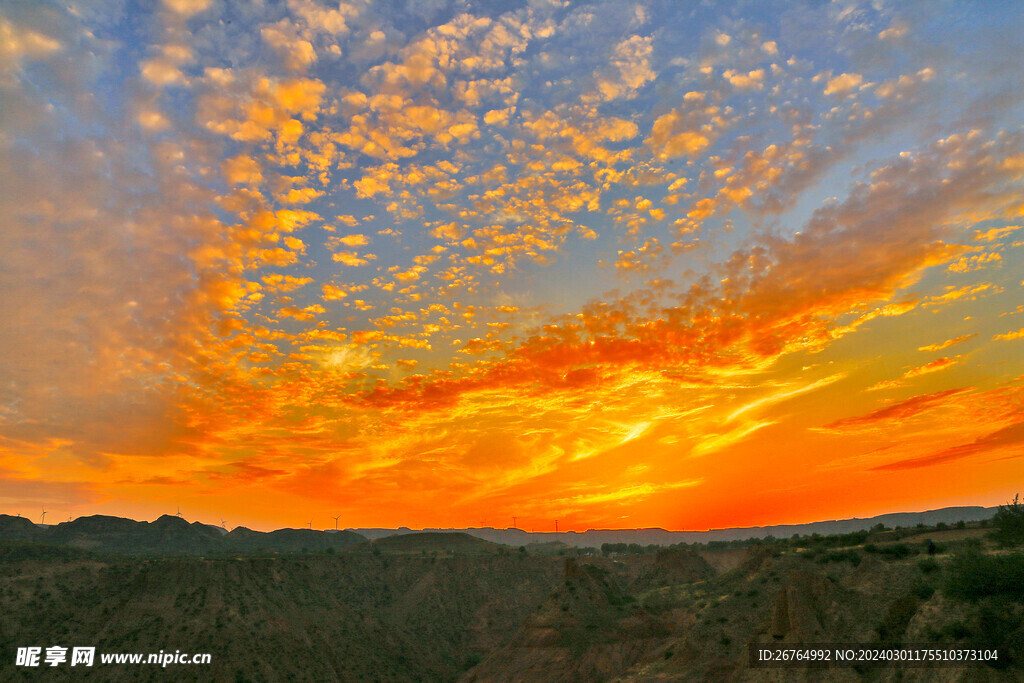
{"points": [[474, 263]]}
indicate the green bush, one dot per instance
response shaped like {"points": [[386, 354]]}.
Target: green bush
{"points": [[957, 630], [851, 556], [923, 591], [1008, 523], [972, 576], [896, 551]]}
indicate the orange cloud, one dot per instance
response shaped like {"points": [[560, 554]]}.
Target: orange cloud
{"points": [[934, 366], [1011, 437], [1009, 336], [949, 342], [174, 295], [900, 411]]}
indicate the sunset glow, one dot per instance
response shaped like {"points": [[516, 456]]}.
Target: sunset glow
{"points": [[439, 264]]}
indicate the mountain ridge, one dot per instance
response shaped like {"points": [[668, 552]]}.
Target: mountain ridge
{"points": [[657, 536], [170, 534]]}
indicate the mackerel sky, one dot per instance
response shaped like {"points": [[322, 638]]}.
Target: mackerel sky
{"points": [[622, 264]]}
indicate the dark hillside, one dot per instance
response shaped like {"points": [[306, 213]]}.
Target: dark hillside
{"points": [[290, 540], [442, 606], [170, 535], [435, 542], [18, 528], [675, 566], [589, 629], [682, 622], [350, 617]]}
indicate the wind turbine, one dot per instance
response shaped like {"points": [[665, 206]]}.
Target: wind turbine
{"points": [[336, 522], [224, 525], [179, 511], [42, 520], [310, 525], [514, 518], [556, 526]]}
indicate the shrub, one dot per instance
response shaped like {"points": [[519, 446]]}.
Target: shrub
{"points": [[472, 660], [896, 551], [957, 630], [972, 576], [923, 591], [851, 556], [1008, 523]]}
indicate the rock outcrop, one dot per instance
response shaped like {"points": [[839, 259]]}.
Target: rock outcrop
{"points": [[674, 566], [586, 630], [803, 609]]}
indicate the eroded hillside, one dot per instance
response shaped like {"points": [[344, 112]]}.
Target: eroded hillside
{"points": [[430, 607]]}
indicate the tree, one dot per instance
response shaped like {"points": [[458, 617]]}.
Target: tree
{"points": [[1009, 524]]}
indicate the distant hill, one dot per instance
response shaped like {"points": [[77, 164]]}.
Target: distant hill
{"points": [[594, 538], [171, 535], [378, 532], [18, 528], [168, 535], [290, 540], [435, 541]]}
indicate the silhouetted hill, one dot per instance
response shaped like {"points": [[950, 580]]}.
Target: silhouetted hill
{"points": [[374, 533], [595, 538], [169, 535], [242, 539], [18, 528], [435, 542]]}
